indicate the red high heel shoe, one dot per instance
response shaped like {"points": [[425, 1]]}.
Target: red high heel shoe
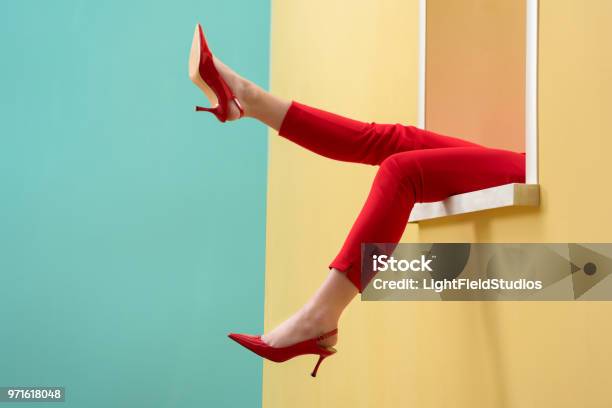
{"points": [[280, 354], [204, 74]]}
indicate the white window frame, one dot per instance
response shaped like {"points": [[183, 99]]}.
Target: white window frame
{"points": [[502, 196]]}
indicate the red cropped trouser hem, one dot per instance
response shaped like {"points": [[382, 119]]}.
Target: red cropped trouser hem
{"points": [[415, 165]]}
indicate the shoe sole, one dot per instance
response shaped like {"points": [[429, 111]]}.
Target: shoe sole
{"points": [[194, 69]]}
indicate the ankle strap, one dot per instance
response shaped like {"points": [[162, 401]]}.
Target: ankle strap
{"points": [[328, 334], [239, 105]]}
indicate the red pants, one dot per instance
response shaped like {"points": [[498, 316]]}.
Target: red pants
{"points": [[415, 165]]}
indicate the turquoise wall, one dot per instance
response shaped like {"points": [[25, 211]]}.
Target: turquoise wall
{"points": [[122, 210]]}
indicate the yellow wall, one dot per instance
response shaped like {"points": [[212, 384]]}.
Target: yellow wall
{"points": [[359, 58]]}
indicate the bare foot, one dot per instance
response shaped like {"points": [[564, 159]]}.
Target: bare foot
{"points": [[303, 325], [245, 90]]}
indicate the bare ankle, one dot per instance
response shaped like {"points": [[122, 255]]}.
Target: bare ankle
{"points": [[249, 96], [320, 318]]}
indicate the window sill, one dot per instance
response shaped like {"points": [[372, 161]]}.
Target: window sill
{"points": [[507, 195]]}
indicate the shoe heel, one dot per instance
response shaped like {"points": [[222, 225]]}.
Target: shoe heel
{"points": [[203, 109], [214, 111], [321, 358]]}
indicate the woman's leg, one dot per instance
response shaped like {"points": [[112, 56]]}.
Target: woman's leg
{"points": [[328, 134], [402, 180], [406, 178], [341, 138]]}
